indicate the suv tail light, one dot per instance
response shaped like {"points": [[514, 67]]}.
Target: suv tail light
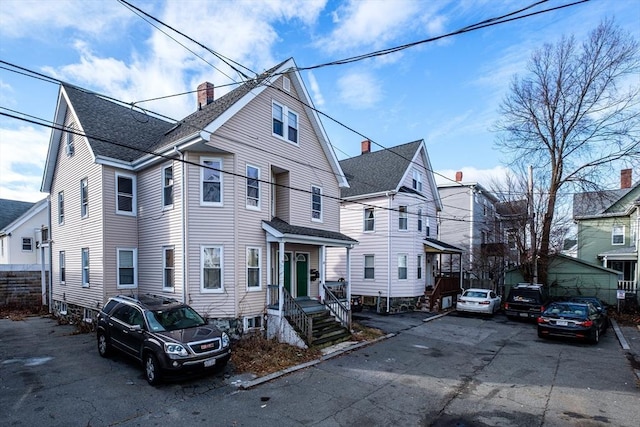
{"points": [[543, 320], [506, 305], [586, 323]]}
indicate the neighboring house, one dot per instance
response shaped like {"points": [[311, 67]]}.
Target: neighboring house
{"points": [[22, 225], [568, 276], [470, 220], [230, 209], [609, 229], [391, 207]]}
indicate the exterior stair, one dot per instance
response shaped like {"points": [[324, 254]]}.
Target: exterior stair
{"points": [[327, 330]]}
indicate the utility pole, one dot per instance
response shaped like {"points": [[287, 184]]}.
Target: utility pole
{"points": [[532, 229]]}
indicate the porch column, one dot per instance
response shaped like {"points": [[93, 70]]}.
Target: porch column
{"points": [[322, 264], [269, 273], [281, 277], [348, 275]]}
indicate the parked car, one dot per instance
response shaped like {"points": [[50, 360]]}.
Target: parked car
{"points": [[572, 320], [165, 335], [483, 301], [526, 301], [597, 303]]}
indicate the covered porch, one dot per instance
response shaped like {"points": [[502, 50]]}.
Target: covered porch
{"points": [[447, 274], [625, 262], [301, 305]]}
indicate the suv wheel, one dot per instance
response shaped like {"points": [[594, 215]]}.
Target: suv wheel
{"points": [[595, 339], [104, 348], [151, 369]]}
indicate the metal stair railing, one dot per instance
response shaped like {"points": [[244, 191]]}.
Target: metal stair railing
{"points": [[296, 315], [337, 308]]}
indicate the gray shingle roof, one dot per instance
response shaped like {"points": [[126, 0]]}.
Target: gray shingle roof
{"points": [[10, 210], [286, 228], [378, 171], [597, 202], [105, 121]]}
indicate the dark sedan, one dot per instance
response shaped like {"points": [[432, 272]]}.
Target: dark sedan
{"points": [[572, 320], [597, 303]]}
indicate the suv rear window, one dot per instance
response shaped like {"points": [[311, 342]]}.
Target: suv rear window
{"points": [[525, 295]]}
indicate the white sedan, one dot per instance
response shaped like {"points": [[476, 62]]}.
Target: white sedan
{"points": [[479, 301]]}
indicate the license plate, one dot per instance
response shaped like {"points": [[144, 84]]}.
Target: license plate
{"points": [[561, 322], [209, 362], [524, 315]]}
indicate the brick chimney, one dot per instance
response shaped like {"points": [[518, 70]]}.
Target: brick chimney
{"points": [[366, 146], [459, 176], [205, 94], [625, 178]]}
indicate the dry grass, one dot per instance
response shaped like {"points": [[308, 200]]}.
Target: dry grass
{"points": [[16, 313], [364, 333]]}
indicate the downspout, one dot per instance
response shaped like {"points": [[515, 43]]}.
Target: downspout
{"points": [[390, 204], [471, 223], [183, 208]]}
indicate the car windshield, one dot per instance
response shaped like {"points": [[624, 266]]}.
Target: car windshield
{"points": [[173, 319], [573, 310], [475, 294]]}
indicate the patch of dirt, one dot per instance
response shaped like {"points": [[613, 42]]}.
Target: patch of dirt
{"points": [[628, 318], [16, 313], [364, 333]]}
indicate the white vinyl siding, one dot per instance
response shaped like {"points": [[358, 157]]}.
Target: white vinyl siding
{"points": [[254, 270], [127, 260], [253, 187], [211, 190], [211, 269], [126, 200]]}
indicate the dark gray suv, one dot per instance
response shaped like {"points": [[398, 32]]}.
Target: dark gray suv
{"points": [[165, 335]]}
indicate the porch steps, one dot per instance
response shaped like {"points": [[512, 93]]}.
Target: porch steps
{"points": [[327, 330]]}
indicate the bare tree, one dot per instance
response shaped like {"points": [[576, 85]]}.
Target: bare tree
{"points": [[574, 117]]}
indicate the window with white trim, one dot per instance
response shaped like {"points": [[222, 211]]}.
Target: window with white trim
{"points": [[369, 219], [403, 220], [27, 244], [617, 235], [211, 269], [84, 198], [402, 266], [63, 269], [61, 207], [85, 267], [211, 177], [168, 267], [68, 142], [419, 219], [252, 323], [127, 268], [419, 269], [254, 274], [316, 203], [416, 182], [126, 194], [253, 187], [369, 267], [167, 186], [284, 119]]}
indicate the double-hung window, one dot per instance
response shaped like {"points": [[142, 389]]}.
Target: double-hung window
{"points": [[127, 266], [61, 207], [369, 219], [416, 183], [419, 219], [369, 267], [167, 186], [419, 271], [211, 176], [211, 268], [168, 265], [402, 266], [84, 198], [617, 235], [316, 203], [402, 218], [27, 244], [63, 270], [126, 194], [253, 187], [85, 267], [285, 122], [253, 268]]}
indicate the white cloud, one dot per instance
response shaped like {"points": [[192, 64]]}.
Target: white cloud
{"points": [[359, 90], [316, 94], [21, 170]]}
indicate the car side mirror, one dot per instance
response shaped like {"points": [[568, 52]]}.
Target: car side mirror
{"points": [[136, 328]]}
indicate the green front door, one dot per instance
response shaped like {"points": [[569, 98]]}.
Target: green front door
{"points": [[302, 275], [287, 271]]}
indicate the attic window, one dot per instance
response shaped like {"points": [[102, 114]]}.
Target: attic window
{"points": [[68, 143], [286, 84]]}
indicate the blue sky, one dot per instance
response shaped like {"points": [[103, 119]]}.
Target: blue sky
{"points": [[446, 92]]}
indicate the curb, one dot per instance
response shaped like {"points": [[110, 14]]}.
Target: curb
{"points": [[245, 385], [621, 338]]}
